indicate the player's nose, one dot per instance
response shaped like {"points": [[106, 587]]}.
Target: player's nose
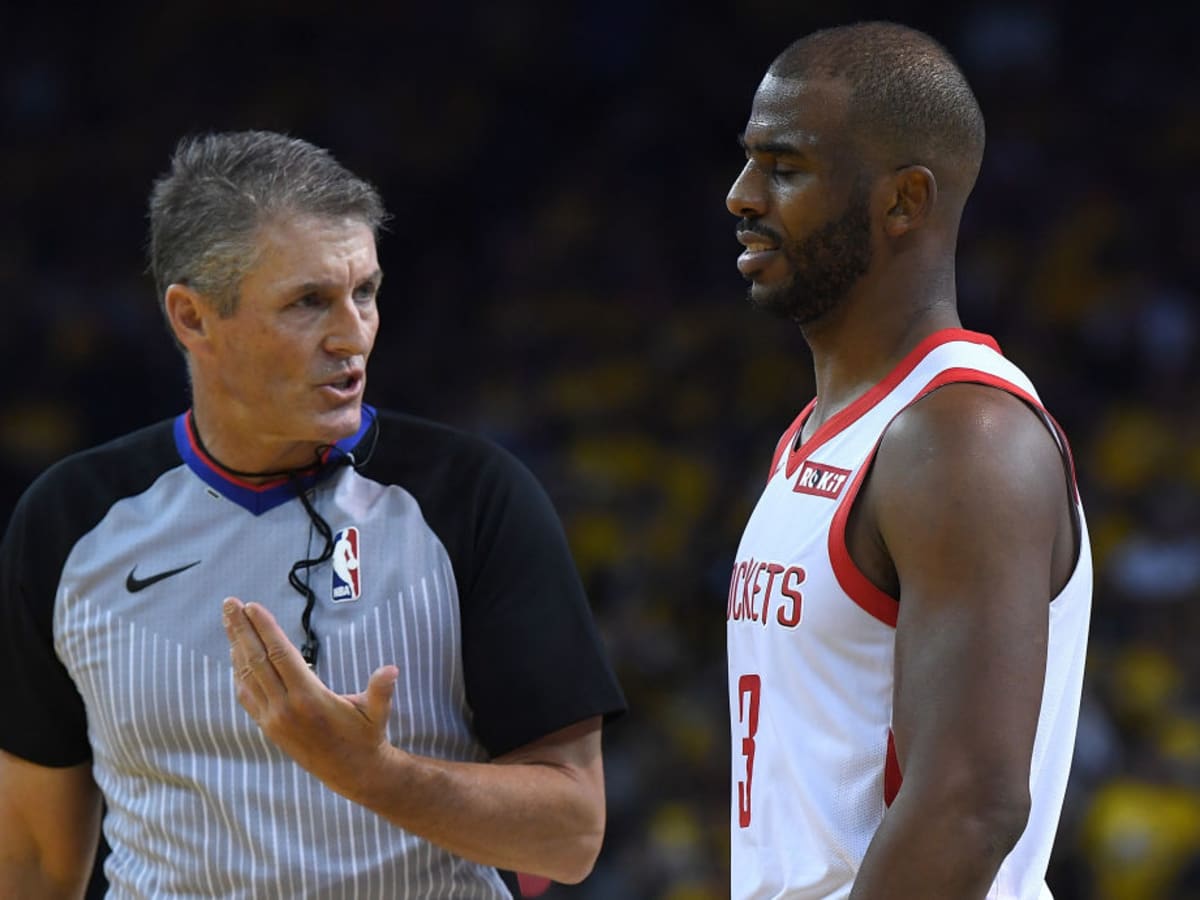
{"points": [[747, 198]]}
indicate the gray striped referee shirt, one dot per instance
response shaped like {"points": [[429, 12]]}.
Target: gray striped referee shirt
{"points": [[449, 562]]}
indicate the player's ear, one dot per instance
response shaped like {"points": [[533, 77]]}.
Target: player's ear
{"points": [[913, 193], [187, 314]]}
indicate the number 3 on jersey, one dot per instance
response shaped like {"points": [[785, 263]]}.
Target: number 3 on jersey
{"points": [[749, 689]]}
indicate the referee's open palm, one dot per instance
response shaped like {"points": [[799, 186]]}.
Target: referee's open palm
{"points": [[336, 737]]}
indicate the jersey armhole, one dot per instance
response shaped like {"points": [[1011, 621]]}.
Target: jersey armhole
{"points": [[850, 577]]}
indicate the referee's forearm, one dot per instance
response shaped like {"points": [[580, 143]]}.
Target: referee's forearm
{"points": [[540, 818]]}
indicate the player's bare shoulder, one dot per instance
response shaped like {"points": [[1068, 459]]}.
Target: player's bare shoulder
{"points": [[970, 459], [974, 431]]}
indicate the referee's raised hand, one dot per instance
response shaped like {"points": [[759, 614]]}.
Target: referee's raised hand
{"points": [[336, 737]]}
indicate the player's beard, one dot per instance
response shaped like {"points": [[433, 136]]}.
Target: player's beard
{"points": [[825, 265]]}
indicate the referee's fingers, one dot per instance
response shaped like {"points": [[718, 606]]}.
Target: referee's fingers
{"points": [[254, 674], [285, 661]]}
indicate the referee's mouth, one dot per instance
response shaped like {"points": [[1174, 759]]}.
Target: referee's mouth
{"points": [[345, 386]]}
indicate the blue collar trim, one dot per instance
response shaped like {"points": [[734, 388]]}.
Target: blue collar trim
{"points": [[260, 498]]}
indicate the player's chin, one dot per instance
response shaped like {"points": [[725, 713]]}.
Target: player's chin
{"points": [[771, 299]]}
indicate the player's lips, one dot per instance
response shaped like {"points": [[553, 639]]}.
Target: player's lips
{"points": [[759, 252]]}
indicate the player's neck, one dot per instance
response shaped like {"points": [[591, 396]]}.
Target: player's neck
{"points": [[863, 342]]}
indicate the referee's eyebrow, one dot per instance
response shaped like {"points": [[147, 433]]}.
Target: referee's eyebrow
{"points": [[375, 279]]}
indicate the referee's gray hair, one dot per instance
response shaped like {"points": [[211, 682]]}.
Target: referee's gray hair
{"points": [[205, 212]]}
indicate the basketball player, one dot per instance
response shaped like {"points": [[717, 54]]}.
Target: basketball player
{"points": [[908, 611], [417, 686]]}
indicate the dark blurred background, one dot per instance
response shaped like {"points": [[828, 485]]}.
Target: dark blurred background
{"points": [[560, 277]]}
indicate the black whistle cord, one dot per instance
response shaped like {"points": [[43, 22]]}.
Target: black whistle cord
{"points": [[311, 646]]}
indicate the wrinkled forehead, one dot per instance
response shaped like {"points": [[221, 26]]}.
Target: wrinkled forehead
{"points": [[807, 112], [311, 249]]}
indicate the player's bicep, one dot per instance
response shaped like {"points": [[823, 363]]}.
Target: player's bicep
{"points": [[49, 828], [972, 491]]}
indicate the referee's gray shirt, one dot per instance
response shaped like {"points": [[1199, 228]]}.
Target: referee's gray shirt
{"points": [[449, 563]]}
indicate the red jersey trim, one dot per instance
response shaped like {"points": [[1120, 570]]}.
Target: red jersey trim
{"points": [[856, 410], [857, 586], [892, 777], [260, 498], [788, 440], [257, 487]]}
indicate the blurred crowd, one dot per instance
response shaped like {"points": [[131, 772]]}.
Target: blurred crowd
{"points": [[560, 277]]}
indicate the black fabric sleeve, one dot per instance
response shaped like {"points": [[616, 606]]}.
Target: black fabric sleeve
{"points": [[532, 656], [42, 716], [533, 661]]}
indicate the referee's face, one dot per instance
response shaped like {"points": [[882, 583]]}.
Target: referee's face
{"points": [[286, 371]]}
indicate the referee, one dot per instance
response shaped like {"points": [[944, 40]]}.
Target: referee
{"points": [[291, 645]]}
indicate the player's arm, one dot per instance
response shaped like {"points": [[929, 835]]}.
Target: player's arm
{"points": [[968, 494], [49, 829], [538, 809]]}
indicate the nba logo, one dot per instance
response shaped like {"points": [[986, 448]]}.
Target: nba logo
{"points": [[346, 578]]}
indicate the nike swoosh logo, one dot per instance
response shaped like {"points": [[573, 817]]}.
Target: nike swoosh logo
{"points": [[133, 584]]}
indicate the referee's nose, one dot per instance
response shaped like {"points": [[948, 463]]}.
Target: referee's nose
{"points": [[352, 327]]}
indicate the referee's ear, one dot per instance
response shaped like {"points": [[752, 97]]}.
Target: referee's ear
{"points": [[187, 313]]}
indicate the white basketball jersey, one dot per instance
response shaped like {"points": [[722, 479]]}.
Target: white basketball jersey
{"points": [[811, 641]]}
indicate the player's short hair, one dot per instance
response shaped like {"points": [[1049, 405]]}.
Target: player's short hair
{"points": [[908, 96], [206, 211]]}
